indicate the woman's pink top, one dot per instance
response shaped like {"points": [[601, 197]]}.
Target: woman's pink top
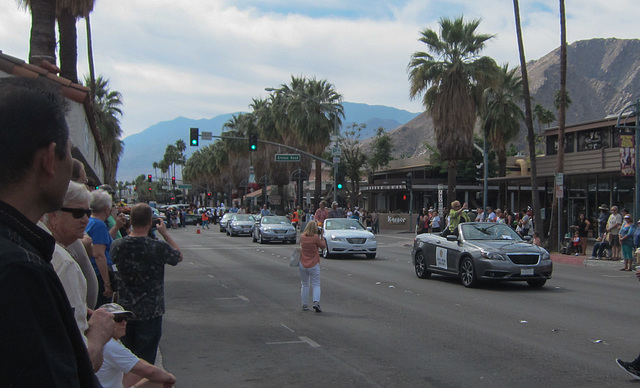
{"points": [[310, 244]]}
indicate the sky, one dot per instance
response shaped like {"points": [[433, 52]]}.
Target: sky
{"points": [[202, 58]]}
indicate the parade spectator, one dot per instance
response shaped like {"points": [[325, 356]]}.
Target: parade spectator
{"points": [[121, 368], [614, 222], [140, 261], [491, 215], [602, 219], [501, 217], [265, 211], [527, 222], [39, 337], [582, 227], [435, 223], [536, 239], [310, 242], [322, 213], [626, 241], [600, 247], [101, 206], [205, 219], [479, 215], [375, 221]]}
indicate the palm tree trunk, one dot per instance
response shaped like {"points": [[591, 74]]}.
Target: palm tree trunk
{"points": [[42, 43], [68, 45], [531, 137], [317, 192], [452, 173], [92, 74]]}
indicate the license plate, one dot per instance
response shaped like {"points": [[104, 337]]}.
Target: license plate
{"points": [[526, 271], [357, 248], [279, 237]]}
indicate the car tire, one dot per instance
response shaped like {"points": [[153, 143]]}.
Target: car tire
{"points": [[325, 252], [420, 266], [536, 283], [468, 273], [260, 240], [371, 255], [253, 237]]}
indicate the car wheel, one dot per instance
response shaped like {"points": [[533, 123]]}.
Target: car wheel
{"points": [[421, 266], [260, 240], [371, 255], [468, 273], [325, 252], [253, 237], [536, 283]]}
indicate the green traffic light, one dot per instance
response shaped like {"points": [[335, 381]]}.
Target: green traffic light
{"points": [[253, 147], [194, 142], [339, 186]]}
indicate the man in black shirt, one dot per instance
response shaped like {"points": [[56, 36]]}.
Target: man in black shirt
{"points": [[40, 344]]}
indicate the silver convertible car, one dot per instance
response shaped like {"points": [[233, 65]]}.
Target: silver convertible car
{"points": [[481, 251], [273, 228], [240, 224], [346, 236]]}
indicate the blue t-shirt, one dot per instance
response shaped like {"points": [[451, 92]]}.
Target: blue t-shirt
{"points": [[627, 230], [97, 230]]}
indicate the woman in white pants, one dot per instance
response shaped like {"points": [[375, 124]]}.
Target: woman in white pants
{"points": [[309, 267]]}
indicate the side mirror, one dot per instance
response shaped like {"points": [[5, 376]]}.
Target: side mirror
{"points": [[369, 228], [452, 237]]}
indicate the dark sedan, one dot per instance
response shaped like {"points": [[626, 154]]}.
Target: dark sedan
{"points": [[481, 251]]}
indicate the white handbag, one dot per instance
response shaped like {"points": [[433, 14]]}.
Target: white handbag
{"points": [[294, 259]]}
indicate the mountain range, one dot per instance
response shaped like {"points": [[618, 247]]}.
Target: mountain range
{"points": [[148, 146], [603, 76]]}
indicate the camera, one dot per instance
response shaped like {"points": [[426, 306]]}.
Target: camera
{"points": [[156, 222]]}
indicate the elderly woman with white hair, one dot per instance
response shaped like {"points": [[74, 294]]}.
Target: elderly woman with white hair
{"points": [[101, 205]]}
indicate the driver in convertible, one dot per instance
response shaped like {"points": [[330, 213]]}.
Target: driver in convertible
{"points": [[456, 216]]}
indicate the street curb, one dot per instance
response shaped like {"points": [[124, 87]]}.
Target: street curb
{"points": [[582, 260]]}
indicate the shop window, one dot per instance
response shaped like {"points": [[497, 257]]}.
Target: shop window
{"points": [[569, 144], [591, 140]]}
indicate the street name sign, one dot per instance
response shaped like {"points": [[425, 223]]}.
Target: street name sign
{"points": [[185, 186], [287, 157]]}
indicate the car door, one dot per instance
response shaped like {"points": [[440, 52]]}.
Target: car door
{"points": [[446, 255]]}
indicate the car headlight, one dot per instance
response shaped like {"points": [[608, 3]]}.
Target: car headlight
{"points": [[336, 238], [491, 255], [372, 238], [546, 256]]}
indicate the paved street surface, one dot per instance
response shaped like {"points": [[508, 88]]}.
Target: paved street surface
{"points": [[234, 320]]}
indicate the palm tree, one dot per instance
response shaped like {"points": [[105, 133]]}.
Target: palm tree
{"points": [[107, 110], [42, 43], [543, 116], [451, 77], [531, 136], [502, 113], [67, 13]]}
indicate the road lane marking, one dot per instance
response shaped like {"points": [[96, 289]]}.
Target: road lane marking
{"points": [[303, 340]]}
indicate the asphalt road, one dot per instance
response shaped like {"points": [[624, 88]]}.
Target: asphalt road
{"points": [[234, 320]]}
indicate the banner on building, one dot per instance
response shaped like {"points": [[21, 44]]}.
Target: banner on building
{"points": [[627, 155]]}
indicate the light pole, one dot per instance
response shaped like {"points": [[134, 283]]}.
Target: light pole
{"points": [[633, 109]]}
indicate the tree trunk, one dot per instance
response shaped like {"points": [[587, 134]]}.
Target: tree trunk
{"points": [[42, 43], [68, 46], [531, 137], [452, 173], [317, 192]]}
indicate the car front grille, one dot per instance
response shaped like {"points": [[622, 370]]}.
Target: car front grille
{"points": [[356, 240], [524, 259], [277, 231]]}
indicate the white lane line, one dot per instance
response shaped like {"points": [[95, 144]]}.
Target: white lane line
{"points": [[311, 343], [287, 327], [303, 340], [242, 297]]}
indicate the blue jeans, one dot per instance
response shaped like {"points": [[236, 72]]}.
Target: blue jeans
{"points": [[143, 337], [599, 248], [309, 275]]}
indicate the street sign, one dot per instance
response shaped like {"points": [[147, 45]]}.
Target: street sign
{"points": [[287, 157], [336, 151], [336, 159], [166, 187], [185, 186], [205, 135]]}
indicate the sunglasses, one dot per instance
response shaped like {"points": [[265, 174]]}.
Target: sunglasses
{"points": [[119, 318], [77, 213]]}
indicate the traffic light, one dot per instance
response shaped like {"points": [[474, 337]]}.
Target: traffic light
{"points": [[194, 136], [479, 171], [253, 142], [408, 181], [173, 180], [209, 195], [135, 188], [340, 181], [150, 189], [149, 178]]}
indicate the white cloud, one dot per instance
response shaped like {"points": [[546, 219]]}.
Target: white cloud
{"points": [[199, 59]]}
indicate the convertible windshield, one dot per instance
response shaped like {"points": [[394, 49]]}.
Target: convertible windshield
{"points": [[275, 220], [243, 217], [488, 231], [340, 223]]}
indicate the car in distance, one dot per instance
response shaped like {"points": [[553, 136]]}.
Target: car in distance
{"points": [[274, 228], [240, 224], [481, 251], [224, 221], [347, 236]]}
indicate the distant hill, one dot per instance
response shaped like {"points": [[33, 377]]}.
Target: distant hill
{"points": [[146, 147], [603, 76]]}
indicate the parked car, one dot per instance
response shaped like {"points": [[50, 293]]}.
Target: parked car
{"points": [[192, 219], [347, 236], [274, 228], [481, 251], [157, 214], [224, 221], [240, 224]]}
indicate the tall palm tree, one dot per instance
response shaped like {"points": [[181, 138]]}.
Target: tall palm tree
{"points": [[543, 116], [451, 76], [502, 113], [42, 43], [531, 136], [67, 13], [107, 106]]}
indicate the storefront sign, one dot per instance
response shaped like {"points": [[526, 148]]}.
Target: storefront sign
{"points": [[383, 187], [396, 220]]}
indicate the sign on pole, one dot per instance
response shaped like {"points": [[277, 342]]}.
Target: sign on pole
{"points": [[185, 186], [287, 157], [336, 151]]}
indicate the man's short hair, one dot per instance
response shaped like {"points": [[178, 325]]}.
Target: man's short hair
{"points": [[32, 116], [141, 214]]}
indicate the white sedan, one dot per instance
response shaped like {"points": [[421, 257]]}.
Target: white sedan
{"points": [[346, 236]]}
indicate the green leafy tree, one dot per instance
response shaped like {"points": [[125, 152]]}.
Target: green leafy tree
{"points": [[381, 150], [543, 116], [451, 77], [353, 159]]}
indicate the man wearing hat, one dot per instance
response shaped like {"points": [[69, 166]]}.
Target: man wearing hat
{"points": [[335, 212], [602, 219], [120, 367]]}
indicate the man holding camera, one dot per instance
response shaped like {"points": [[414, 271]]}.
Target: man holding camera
{"points": [[140, 261]]}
